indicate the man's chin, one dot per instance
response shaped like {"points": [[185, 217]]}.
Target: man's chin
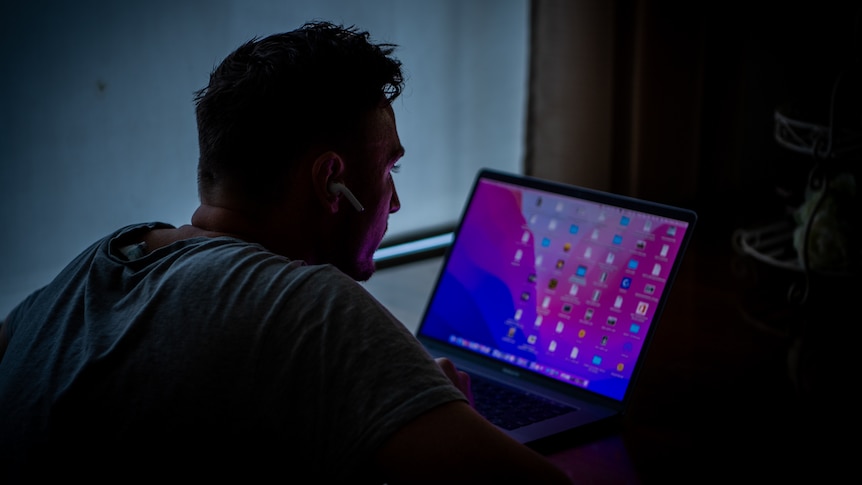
{"points": [[366, 271], [361, 270]]}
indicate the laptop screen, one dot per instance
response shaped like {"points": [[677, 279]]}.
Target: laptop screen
{"points": [[561, 281]]}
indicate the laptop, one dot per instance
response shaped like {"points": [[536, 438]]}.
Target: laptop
{"points": [[549, 294]]}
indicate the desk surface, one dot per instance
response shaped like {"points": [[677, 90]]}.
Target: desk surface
{"points": [[722, 395]]}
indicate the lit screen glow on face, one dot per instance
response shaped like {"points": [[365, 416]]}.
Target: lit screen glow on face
{"points": [[564, 287]]}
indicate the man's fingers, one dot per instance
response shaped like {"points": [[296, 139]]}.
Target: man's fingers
{"points": [[458, 377]]}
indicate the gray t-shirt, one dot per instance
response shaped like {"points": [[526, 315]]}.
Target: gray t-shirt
{"points": [[213, 355]]}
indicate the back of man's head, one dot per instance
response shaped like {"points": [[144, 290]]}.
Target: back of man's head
{"points": [[275, 98]]}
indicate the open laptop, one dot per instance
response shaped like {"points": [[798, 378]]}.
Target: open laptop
{"points": [[553, 290]]}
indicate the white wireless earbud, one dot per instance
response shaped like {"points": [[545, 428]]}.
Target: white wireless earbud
{"points": [[339, 188]]}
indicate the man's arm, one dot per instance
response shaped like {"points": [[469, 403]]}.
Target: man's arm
{"points": [[452, 443]]}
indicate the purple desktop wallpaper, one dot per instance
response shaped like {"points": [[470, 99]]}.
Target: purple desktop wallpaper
{"points": [[564, 287]]}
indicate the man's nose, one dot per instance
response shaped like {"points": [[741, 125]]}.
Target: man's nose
{"points": [[394, 201]]}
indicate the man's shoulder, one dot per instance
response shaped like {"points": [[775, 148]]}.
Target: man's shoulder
{"points": [[226, 262]]}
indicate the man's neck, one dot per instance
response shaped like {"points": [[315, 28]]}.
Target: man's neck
{"points": [[223, 220], [286, 234]]}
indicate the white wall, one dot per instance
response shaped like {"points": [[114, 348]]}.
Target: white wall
{"points": [[97, 128]]}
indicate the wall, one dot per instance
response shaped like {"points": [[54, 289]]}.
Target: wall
{"points": [[98, 125]]}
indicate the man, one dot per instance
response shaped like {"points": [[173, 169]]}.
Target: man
{"points": [[241, 345]]}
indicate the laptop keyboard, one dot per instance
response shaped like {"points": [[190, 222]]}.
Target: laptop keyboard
{"points": [[510, 408]]}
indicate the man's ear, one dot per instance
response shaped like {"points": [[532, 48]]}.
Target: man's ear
{"points": [[327, 168]]}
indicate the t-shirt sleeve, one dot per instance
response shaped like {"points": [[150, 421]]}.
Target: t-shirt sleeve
{"points": [[365, 373]]}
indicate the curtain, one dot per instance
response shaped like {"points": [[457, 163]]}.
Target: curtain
{"points": [[676, 101], [614, 97]]}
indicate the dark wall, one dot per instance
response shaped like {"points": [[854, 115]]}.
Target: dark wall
{"points": [[758, 59]]}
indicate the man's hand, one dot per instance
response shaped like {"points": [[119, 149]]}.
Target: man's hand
{"points": [[458, 377]]}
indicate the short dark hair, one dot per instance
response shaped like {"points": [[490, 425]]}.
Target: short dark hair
{"points": [[274, 98]]}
